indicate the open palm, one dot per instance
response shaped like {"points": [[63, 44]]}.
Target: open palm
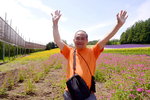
{"points": [[56, 16], [121, 17]]}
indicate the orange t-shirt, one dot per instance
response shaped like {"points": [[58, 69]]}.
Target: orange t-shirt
{"points": [[89, 54]]}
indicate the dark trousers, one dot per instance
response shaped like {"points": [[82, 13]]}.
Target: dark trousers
{"points": [[67, 96]]}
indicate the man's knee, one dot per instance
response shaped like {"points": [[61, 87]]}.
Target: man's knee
{"points": [[91, 97], [67, 96]]}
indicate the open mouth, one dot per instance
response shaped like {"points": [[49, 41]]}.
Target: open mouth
{"points": [[79, 44]]}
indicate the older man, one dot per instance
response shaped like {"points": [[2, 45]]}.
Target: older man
{"points": [[85, 57]]}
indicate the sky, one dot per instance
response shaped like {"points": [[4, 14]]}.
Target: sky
{"points": [[97, 17]]}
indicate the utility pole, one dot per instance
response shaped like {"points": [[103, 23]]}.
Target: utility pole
{"points": [[3, 57]]}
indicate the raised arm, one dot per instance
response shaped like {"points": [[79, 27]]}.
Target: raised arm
{"points": [[121, 18], [55, 18]]}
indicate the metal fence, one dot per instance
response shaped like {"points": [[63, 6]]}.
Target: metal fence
{"points": [[9, 35]]}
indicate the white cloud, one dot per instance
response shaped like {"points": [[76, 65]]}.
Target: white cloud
{"points": [[12, 9], [16, 13], [36, 4], [143, 11], [140, 13], [30, 26], [40, 6], [97, 27]]}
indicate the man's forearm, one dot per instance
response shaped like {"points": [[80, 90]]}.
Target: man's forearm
{"points": [[112, 33], [56, 34], [57, 38], [103, 42], [121, 18]]}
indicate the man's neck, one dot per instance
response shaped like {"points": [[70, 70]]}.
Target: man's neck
{"points": [[80, 49]]}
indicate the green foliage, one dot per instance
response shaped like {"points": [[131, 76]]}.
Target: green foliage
{"points": [[11, 83], [57, 66], [92, 42], [51, 45], [120, 95], [113, 42], [9, 52], [3, 88], [38, 76], [99, 76], [22, 75], [47, 69], [3, 91], [29, 86], [139, 33]]}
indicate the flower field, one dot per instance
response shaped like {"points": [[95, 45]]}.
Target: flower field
{"points": [[121, 74], [126, 76]]}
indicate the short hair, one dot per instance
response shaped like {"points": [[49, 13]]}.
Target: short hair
{"points": [[82, 32]]}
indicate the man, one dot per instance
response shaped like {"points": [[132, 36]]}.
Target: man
{"points": [[85, 57]]}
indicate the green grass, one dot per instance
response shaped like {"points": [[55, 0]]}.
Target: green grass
{"points": [[128, 51], [8, 59], [38, 56]]}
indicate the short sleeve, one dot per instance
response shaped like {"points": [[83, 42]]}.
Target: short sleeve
{"points": [[66, 51], [97, 51]]}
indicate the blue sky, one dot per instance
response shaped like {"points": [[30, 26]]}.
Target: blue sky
{"points": [[97, 17]]}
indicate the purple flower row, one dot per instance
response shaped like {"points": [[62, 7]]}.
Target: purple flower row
{"points": [[127, 46]]}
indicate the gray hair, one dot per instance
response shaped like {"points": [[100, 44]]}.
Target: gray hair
{"points": [[82, 32]]}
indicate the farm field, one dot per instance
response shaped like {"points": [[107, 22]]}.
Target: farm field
{"points": [[121, 74]]}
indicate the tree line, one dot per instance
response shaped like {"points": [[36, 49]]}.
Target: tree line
{"points": [[52, 45], [110, 42], [139, 33]]}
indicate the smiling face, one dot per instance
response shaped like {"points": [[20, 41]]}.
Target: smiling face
{"points": [[80, 39]]}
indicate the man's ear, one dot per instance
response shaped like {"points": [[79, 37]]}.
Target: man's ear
{"points": [[87, 41]]}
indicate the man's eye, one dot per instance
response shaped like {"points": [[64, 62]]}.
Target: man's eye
{"points": [[77, 38], [82, 38]]}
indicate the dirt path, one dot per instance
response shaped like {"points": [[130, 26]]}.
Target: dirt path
{"points": [[50, 88], [47, 89], [102, 93]]}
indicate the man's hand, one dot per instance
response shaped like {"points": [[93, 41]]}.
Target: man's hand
{"points": [[121, 17], [55, 17]]}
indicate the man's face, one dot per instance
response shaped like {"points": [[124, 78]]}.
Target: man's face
{"points": [[80, 40]]}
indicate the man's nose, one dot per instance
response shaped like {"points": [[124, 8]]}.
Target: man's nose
{"points": [[80, 40]]}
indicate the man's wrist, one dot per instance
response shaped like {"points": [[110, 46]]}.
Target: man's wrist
{"points": [[55, 25], [119, 25]]}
